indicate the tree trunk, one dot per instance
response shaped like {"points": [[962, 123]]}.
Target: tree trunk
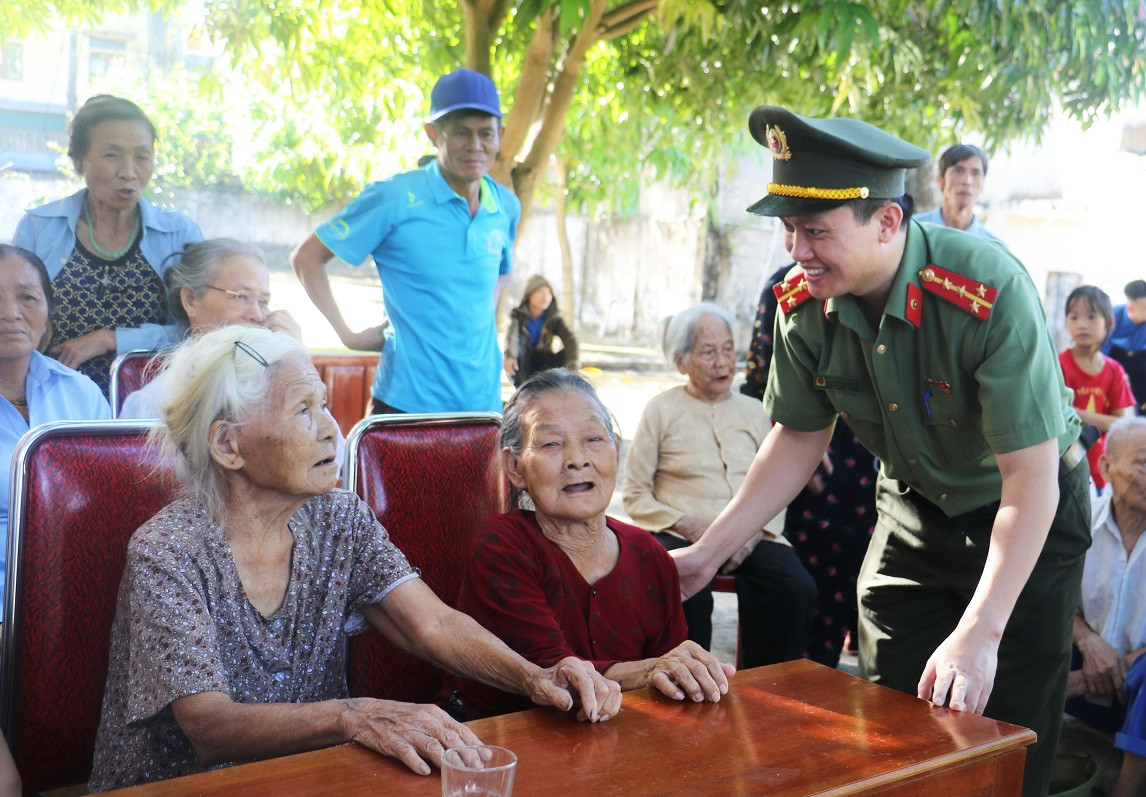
{"points": [[527, 172], [560, 217], [483, 19], [530, 97], [548, 80]]}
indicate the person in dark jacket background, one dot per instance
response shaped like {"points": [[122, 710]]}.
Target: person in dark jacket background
{"points": [[533, 326]]}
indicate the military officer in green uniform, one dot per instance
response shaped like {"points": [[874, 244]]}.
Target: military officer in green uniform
{"points": [[933, 346]]}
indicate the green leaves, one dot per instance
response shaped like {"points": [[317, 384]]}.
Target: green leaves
{"points": [[321, 95]]}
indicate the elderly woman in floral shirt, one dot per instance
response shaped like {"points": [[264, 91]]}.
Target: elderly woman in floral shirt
{"points": [[229, 638]]}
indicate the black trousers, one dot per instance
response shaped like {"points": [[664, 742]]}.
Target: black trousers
{"points": [[379, 407], [776, 602], [532, 361], [917, 579]]}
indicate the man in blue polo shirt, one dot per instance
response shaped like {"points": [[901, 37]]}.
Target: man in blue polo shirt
{"points": [[442, 239]]}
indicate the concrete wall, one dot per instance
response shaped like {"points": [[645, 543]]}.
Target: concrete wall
{"points": [[1074, 206], [221, 212]]}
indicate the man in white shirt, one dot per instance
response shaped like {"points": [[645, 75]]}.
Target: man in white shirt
{"points": [[1110, 627]]}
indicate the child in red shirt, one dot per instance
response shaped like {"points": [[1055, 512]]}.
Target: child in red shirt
{"points": [[1101, 391]]}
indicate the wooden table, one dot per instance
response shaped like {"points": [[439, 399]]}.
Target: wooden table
{"points": [[790, 729]]}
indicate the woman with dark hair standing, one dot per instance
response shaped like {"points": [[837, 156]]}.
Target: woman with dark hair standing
{"points": [[105, 247]]}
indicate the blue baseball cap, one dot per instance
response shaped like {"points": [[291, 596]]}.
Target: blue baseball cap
{"points": [[464, 89]]}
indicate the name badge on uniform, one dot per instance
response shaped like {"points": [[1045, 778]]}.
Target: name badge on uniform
{"points": [[846, 384]]}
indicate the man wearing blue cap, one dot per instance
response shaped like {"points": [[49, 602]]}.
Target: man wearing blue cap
{"points": [[933, 346], [442, 240]]}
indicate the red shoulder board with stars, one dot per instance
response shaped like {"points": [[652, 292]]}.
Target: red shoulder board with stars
{"points": [[792, 292], [974, 297]]}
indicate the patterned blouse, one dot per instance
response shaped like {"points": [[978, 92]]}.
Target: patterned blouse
{"points": [[183, 626], [93, 293]]}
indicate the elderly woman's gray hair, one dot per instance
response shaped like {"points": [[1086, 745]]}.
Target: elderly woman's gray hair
{"points": [[680, 332], [222, 375], [195, 269], [512, 434]]}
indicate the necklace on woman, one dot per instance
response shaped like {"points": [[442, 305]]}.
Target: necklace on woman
{"points": [[20, 404], [99, 249]]}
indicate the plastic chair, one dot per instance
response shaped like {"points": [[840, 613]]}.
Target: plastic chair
{"points": [[129, 372], [78, 491], [431, 480]]}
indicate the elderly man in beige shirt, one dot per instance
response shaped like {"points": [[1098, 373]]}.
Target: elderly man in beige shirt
{"points": [[689, 455]]}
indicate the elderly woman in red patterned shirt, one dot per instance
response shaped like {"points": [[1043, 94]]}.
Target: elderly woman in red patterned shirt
{"points": [[563, 579], [229, 640]]}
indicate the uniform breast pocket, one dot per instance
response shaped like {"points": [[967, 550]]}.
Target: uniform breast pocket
{"points": [[954, 430], [860, 410]]}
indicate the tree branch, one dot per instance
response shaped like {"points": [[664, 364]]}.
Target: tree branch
{"points": [[562, 86], [529, 99], [617, 31], [623, 14]]}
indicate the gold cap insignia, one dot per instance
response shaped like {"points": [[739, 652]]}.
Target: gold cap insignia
{"points": [[778, 143]]}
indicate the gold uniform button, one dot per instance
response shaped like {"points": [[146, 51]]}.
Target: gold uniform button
{"points": [[943, 497], [913, 462], [881, 349], [954, 424], [893, 407]]}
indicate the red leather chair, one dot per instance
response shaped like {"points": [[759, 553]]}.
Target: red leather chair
{"points": [[78, 491], [129, 372], [431, 480], [348, 379]]}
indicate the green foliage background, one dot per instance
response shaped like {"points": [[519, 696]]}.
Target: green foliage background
{"points": [[318, 96]]}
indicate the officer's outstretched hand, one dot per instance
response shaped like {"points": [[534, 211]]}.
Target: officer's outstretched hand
{"points": [[694, 569], [961, 671]]}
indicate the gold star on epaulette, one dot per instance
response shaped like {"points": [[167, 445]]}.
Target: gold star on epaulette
{"points": [[792, 292], [974, 297]]}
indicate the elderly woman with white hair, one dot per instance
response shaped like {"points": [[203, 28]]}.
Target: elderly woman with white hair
{"points": [[229, 641], [689, 455]]}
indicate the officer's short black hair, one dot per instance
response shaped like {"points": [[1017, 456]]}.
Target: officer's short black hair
{"points": [[1135, 289], [958, 154], [864, 209]]}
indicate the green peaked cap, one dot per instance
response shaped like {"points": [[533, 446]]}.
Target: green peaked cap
{"points": [[819, 164]]}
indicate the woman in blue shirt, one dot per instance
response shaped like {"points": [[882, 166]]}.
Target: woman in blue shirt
{"points": [[34, 389], [105, 247]]}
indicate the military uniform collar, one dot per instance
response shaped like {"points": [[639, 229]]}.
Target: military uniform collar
{"points": [[444, 193]]}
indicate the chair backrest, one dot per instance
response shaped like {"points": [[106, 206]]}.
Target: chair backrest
{"points": [[431, 480], [129, 372], [78, 491], [348, 379]]}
